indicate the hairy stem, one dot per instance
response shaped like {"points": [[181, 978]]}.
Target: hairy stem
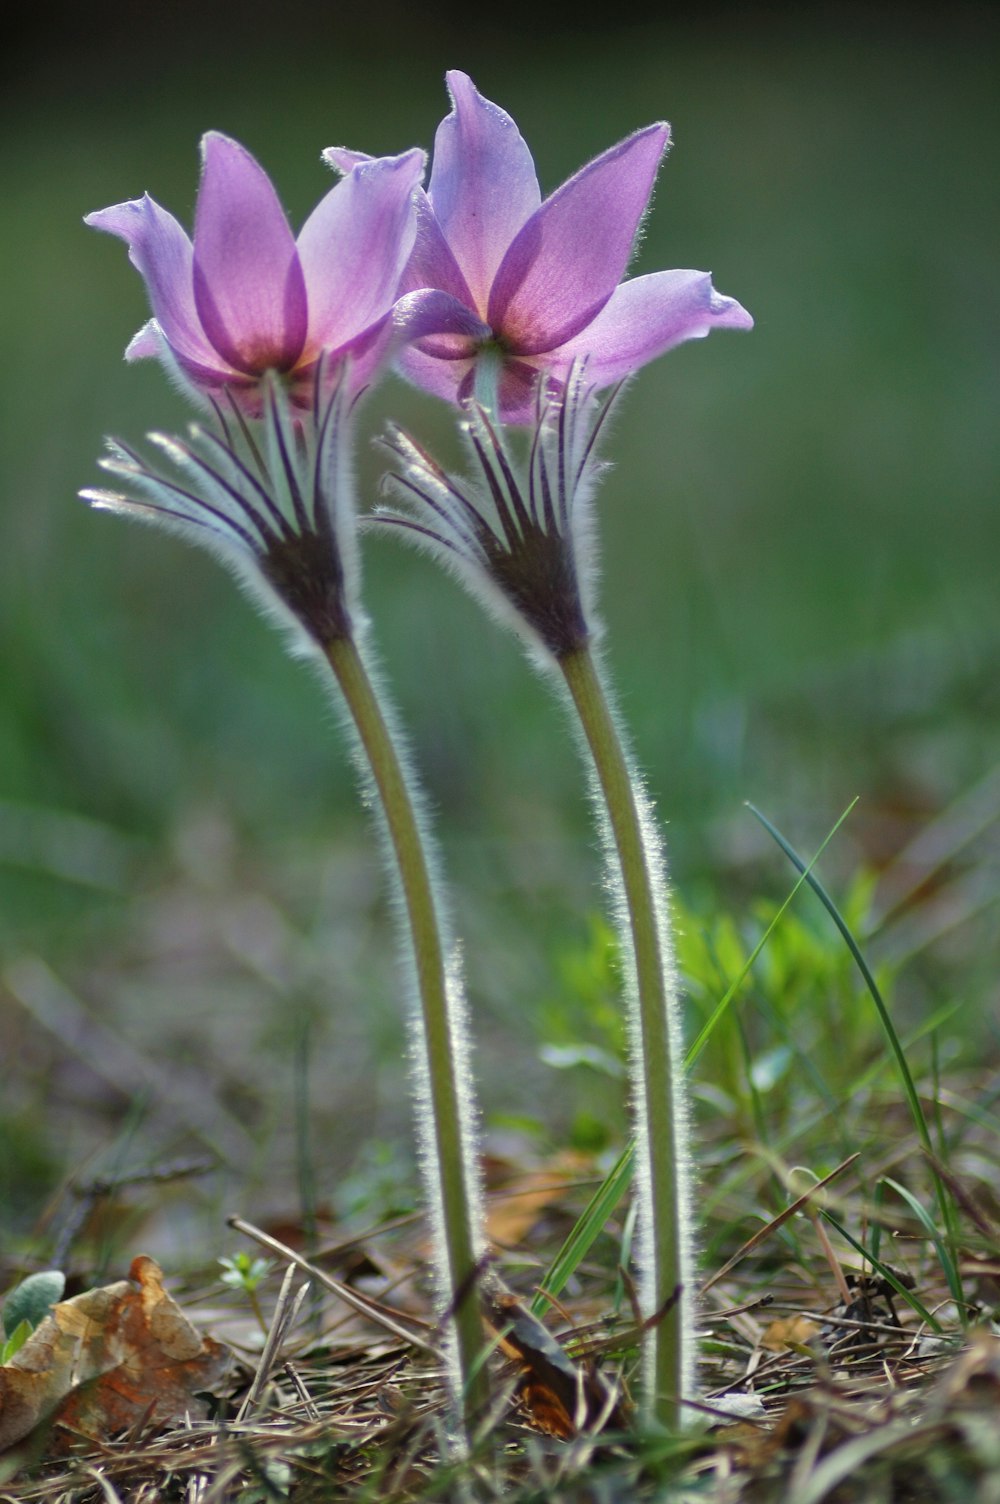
{"points": [[443, 1113], [661, 1123]]}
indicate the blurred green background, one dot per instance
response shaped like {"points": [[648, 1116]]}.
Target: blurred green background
{"points": [[800, 546]]}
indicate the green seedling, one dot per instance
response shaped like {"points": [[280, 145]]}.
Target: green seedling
{"points": [[27, 1306], [247, 1274]]}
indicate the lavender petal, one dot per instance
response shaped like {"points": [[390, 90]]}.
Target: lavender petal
{"points": [[248, 284], [568, 259]]}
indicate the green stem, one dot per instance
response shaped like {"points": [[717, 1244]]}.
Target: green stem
{"points": [[447, 1137], [657, 1065], [486, 381]]}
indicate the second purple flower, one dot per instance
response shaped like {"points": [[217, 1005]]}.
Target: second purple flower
{"points": [[497, 273]]}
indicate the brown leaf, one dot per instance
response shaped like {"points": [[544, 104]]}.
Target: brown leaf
{"points": [[512, 1212], [788, 1333], [105, 1359], [559, 1395]]}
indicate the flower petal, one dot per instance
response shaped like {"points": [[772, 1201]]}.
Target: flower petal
{"points": [[517, 395], [354, 246], [444, 326], [248, 285], [442, 378], [161, 251], [194, 376], [342, 159], [432, 263], [646, 317], [146, 343], [454, 381], [483, 184], [370, 352], [570, 256]]}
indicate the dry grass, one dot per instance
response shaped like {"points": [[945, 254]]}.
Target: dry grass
{"points": [[817, 1385]]}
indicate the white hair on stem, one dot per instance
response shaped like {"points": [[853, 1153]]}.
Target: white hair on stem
{"points": [[274, 501], [520, 536], [654, 858]]}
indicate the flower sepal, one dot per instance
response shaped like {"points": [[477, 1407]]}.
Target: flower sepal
{"points": [[272, 499], [517, 531]]}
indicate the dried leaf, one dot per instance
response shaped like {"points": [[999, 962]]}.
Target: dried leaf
{"points": [[513, 1212], [107, 1358], [788, 1333], [560, 1396]]}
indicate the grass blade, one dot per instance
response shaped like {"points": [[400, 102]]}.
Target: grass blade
{"points": [[906, 1079], [607, 1196], [581, 1238], [902, 1067], [704, 1034], [927, 1223], [884, 1272]]}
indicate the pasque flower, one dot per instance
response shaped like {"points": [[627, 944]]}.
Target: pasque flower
{"points": [[518, 534], [247, 297], [273, 498], [497, 273]]}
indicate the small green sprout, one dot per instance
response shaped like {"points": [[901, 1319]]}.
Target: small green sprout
{"points": [[26, 1307], [242, 1272]]}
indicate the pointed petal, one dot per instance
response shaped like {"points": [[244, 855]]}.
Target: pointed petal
{"points": [[370, 352], [161, 251], [646, 317], [248, 285], [198, 379], [146, 343], [453, 381], [483, 184], [342, 159], [431, 263], [354, 246], [570, 256]]}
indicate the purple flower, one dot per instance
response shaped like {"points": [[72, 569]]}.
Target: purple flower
{"points": [[247, 297], [537, 284]]}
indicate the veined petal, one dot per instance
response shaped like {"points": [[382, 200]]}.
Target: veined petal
{"points": [[368, 352], [645, 317], [160, 250], [197, 379], [517, 394], [570, 256], [248, 285], [483, 184], [354, 246], [445, 327], [431, 262]]}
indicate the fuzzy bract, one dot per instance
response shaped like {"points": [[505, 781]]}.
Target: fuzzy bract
{"points": [[516, 530], [497, 272], [271, 498], [245, 296]]}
